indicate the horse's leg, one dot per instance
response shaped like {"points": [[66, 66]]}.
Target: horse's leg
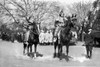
{"points": [[24, 46], [30, 45], [67, 49], [91, 47], [60, 51], [30, 48], [90, 53], [35, 49], [55, 46], [87, 51]]}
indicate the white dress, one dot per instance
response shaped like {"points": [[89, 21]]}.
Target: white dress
{"points": [[41, 37]]}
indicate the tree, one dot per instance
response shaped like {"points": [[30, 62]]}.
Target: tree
{"points": [[28, 11], [81, 9], [96, 12]]}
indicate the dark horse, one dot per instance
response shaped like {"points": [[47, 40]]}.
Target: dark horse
{"points": [[31, 37], [64, 38]]}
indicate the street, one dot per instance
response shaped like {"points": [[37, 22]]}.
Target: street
{"points": [[11, 55]]}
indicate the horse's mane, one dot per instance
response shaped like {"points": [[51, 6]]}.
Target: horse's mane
{"points": [[67, 27], [34, 28]]}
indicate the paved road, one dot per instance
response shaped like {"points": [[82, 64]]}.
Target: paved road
{"points": [[11, 56]]}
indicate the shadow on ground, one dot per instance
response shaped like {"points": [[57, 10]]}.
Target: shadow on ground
{"points": [[37, 54], [63, 56], [67, 58]]}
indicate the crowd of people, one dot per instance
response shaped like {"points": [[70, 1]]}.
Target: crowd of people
{"points": [[46, 38]]}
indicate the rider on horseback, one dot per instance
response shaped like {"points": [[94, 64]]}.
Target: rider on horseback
{"points": [[31, 36], [57, 31], [26, 34]]}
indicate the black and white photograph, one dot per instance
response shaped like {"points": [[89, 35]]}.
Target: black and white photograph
{"points": [[49, 33]]}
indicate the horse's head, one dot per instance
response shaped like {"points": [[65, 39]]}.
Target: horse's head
{"points": [[33, 27], [69, 22]]}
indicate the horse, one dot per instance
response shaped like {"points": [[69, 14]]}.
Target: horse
{"points": [[63, 38], [31, 37]]}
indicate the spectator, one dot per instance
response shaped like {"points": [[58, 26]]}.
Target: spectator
{"points": [[46, 40], [50, 37], [41, 37], [74, 39]]}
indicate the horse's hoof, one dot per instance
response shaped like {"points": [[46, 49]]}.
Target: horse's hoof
{"points": [[60, 58], [90, 57], [28, 54], [54, 56], [67, 59], [87, 56]]}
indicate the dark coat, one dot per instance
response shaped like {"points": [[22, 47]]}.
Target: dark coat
{"points": [[88, 39]]}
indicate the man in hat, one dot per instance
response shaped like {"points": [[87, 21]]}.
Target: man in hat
{"points": [[89, 43]]}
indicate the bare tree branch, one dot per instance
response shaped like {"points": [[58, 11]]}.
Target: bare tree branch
{"points": [[8, 12]]}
